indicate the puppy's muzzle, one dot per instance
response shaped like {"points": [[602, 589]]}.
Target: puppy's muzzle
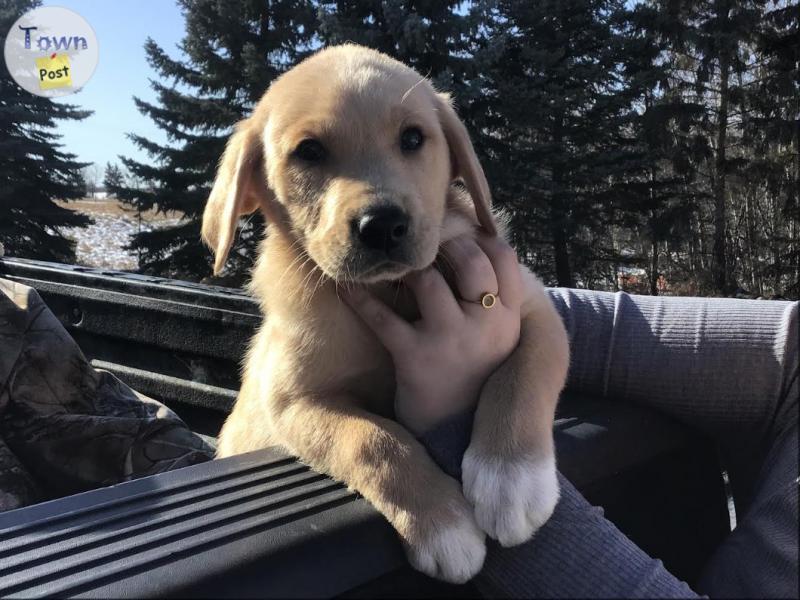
{"points": [[382, 230]]}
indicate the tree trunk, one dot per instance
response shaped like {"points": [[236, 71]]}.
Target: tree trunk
{"points": [[557, 220], [720, 266], [654, 267], [755, 282], [719, 263], [795, 200], [563, 269], [694, 260], [703, 241]]}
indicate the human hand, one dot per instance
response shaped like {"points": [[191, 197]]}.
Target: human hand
{"points": [[443, 359]]}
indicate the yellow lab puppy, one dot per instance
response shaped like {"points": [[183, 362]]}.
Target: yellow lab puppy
{"points": [[354, 158]]}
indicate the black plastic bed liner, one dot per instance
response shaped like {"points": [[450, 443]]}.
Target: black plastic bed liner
{"points": [[262, 524]]}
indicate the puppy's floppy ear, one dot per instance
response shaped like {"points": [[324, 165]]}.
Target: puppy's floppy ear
{"points": [[239, 189], [465, 162]]}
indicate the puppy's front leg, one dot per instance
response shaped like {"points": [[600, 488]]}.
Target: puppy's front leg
{"points": [[381, 460], [509, 469]]}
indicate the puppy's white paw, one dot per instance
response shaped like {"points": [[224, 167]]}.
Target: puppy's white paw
{"points": [[453, 553], [512, 498]]}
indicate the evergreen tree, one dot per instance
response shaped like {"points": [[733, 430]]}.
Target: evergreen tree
{"points": [[113, 180], [771, 128], [610, 131], [231, 52], [659, 197], [554, 128], [438, 39], [35, 170], [712, 46], [431, 37]]}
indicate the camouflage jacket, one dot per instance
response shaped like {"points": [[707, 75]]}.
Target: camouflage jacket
{"points": [[66, 427]]}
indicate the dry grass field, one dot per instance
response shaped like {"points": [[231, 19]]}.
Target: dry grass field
{"points": [[102, 244]]}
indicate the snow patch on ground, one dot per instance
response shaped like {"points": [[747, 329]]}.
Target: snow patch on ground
{"points": [[102, 243]]}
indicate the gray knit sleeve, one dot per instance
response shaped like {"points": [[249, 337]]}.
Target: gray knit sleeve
{"points": [[721, 365], [726, 367], [578, 553]]}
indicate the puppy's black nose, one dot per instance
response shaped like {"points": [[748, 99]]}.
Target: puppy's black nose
{"points": [[382, 228]]}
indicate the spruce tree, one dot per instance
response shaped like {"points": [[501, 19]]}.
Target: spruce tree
{"points": [[772, 130], [113, 179], [660, 195], [435, 38], [554, 128], [231, 51], [711, 45], [431, 37], [35, 169]]}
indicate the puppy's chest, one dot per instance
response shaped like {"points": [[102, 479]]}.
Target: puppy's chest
{"points": [[330, 352], [370, 370]]}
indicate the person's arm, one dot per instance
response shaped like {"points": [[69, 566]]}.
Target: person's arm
{"points": [[728, 368], [578, 553]]}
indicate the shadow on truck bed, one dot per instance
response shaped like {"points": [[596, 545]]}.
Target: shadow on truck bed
{"points": [[262, 524]]}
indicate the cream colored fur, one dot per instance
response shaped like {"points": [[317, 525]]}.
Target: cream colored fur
{"points": [[316, 381]]}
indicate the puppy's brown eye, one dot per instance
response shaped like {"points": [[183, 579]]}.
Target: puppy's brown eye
{"points": [[411, 139], [310, 151]]}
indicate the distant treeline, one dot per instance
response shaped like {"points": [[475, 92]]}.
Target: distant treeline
{"points": [[658, 137]]}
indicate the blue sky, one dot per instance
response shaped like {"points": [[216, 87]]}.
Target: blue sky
{"points": [[122, 72]]}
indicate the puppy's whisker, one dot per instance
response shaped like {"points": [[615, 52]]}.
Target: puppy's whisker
{"points": [[295, 268], [320, 283], [400, 284], [348, 280], [413, 87], [304, 284], [317, 286], [349, 275], [299, 270], [292, 264], [307, 278]]}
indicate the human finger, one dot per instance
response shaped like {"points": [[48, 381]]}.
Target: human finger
{"points": [[506, 268], [394, 332], [474, 273], [435, 299]]}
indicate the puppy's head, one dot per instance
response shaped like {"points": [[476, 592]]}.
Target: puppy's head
{"points": [[352, 154]]}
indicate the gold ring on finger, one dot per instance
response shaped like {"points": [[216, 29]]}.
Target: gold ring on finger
{"points": [[488, 300]]}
